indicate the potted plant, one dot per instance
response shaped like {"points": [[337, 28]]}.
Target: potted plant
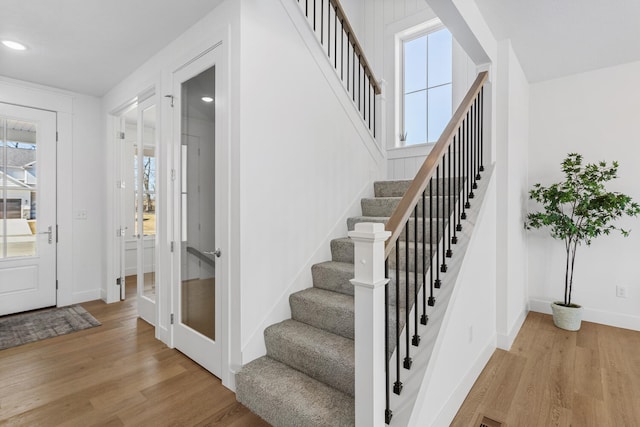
{"points": [[577, 210]]}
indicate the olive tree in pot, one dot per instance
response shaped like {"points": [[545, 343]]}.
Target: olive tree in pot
{"points": [[576, 211]]}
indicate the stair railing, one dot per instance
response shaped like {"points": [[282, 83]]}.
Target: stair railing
{"points": [[416, 250], [329, 22]]}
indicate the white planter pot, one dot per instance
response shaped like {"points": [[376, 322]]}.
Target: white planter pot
{"points": [[568, 318]]}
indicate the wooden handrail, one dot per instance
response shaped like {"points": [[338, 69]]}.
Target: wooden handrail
{"points": [[342, 16], [410, 199]]}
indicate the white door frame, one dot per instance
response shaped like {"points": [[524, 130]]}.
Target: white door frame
{"points": [[33, 96], [214, 55]]}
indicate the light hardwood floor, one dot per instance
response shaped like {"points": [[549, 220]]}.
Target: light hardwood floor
{"points": [[553, 377], [112, 375]]}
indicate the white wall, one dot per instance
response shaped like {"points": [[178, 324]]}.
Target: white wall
{"points": [[88, 169], [304, 165], [467, 337], [511, 170], [592, 114]]}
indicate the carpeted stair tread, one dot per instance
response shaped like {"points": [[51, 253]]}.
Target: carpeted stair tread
{"points": [[333, 276], [285, 397], [326, 310], [398, 188], [324, 356]]}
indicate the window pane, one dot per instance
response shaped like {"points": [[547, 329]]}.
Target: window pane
{"points": [[439, 110], [415, 64], [415, 114], [440, 60], [18, 189]]}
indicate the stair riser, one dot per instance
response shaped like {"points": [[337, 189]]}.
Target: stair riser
{"points": [[319, 362], [330, 319], [324, 277], [398, 188], [385, 207], [342, 250]]}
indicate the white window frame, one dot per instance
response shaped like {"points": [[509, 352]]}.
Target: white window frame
{"points": [[402, 37]]}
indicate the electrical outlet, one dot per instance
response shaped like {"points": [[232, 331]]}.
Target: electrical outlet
{"points": [[621, 291]]}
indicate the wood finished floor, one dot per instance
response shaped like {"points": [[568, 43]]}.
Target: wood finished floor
{"points": [[113, 375], [553, 377]]}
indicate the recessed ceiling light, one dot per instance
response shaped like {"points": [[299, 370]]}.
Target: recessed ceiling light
{"points": [[207, 99], [14, 45]]}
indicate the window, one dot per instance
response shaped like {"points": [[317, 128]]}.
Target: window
{"points": [[426, 86]]}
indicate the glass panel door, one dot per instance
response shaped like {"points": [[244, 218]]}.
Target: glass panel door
{"points": [[27, 209], [198, 207], [198, 330]]}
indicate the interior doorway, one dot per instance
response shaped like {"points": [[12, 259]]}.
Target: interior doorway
{"points": [[200, 191], [138, 204]]}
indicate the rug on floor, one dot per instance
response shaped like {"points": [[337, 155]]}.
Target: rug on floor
{"points": [[23, 328]]}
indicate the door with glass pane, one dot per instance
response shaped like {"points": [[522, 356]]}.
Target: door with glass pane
{"points": [[27, 209], [138, 186], [197, 329]]}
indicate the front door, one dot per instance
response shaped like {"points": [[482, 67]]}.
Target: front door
{"points": [[197, 293], [27, 209]]}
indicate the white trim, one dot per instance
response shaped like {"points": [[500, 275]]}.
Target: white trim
{"points": [[415, 150], [505, 341], [450, 409], [592, 315], [84, 296], [424, 29]]}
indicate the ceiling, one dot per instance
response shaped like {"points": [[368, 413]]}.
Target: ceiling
{"points": [[555, 38], [88, 46]]}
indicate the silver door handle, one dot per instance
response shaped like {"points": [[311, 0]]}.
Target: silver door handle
{"points": [[217, 253], [49, 232]]}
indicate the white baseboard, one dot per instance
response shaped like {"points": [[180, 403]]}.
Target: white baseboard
{"points": [[84, 296], [450, 409], [506, 341], [592, 315]]}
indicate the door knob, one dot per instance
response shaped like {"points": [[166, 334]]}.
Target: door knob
{"points": [[217, 253], [50, 233]]}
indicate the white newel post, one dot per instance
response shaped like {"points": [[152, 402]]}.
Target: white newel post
{"points": [[369, 283]]}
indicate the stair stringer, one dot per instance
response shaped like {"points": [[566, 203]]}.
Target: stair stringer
{"points": [[280, 311], [438, 381]]}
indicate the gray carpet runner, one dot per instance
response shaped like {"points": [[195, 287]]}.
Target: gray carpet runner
{"points": [[306, 378]]}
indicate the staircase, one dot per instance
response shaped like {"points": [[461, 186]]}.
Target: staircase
{"points": [[307, 376]]}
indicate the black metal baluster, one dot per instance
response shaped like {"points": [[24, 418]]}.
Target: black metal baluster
{"points": [[456, 173], [468, 168], [369, 85], [424, 319], [387, 412], [416, 338], [321, 21], [482, 129], [473, 153], [478, 138], [359, 79], [354, 73], [407, 306], [335, 39], [437, 245], [450, 202], [342, 50], [329, 29], [374, 115], [461, 212], [476, 163], [443, 220], [432, 299], [397, 386], [348, 57]]}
